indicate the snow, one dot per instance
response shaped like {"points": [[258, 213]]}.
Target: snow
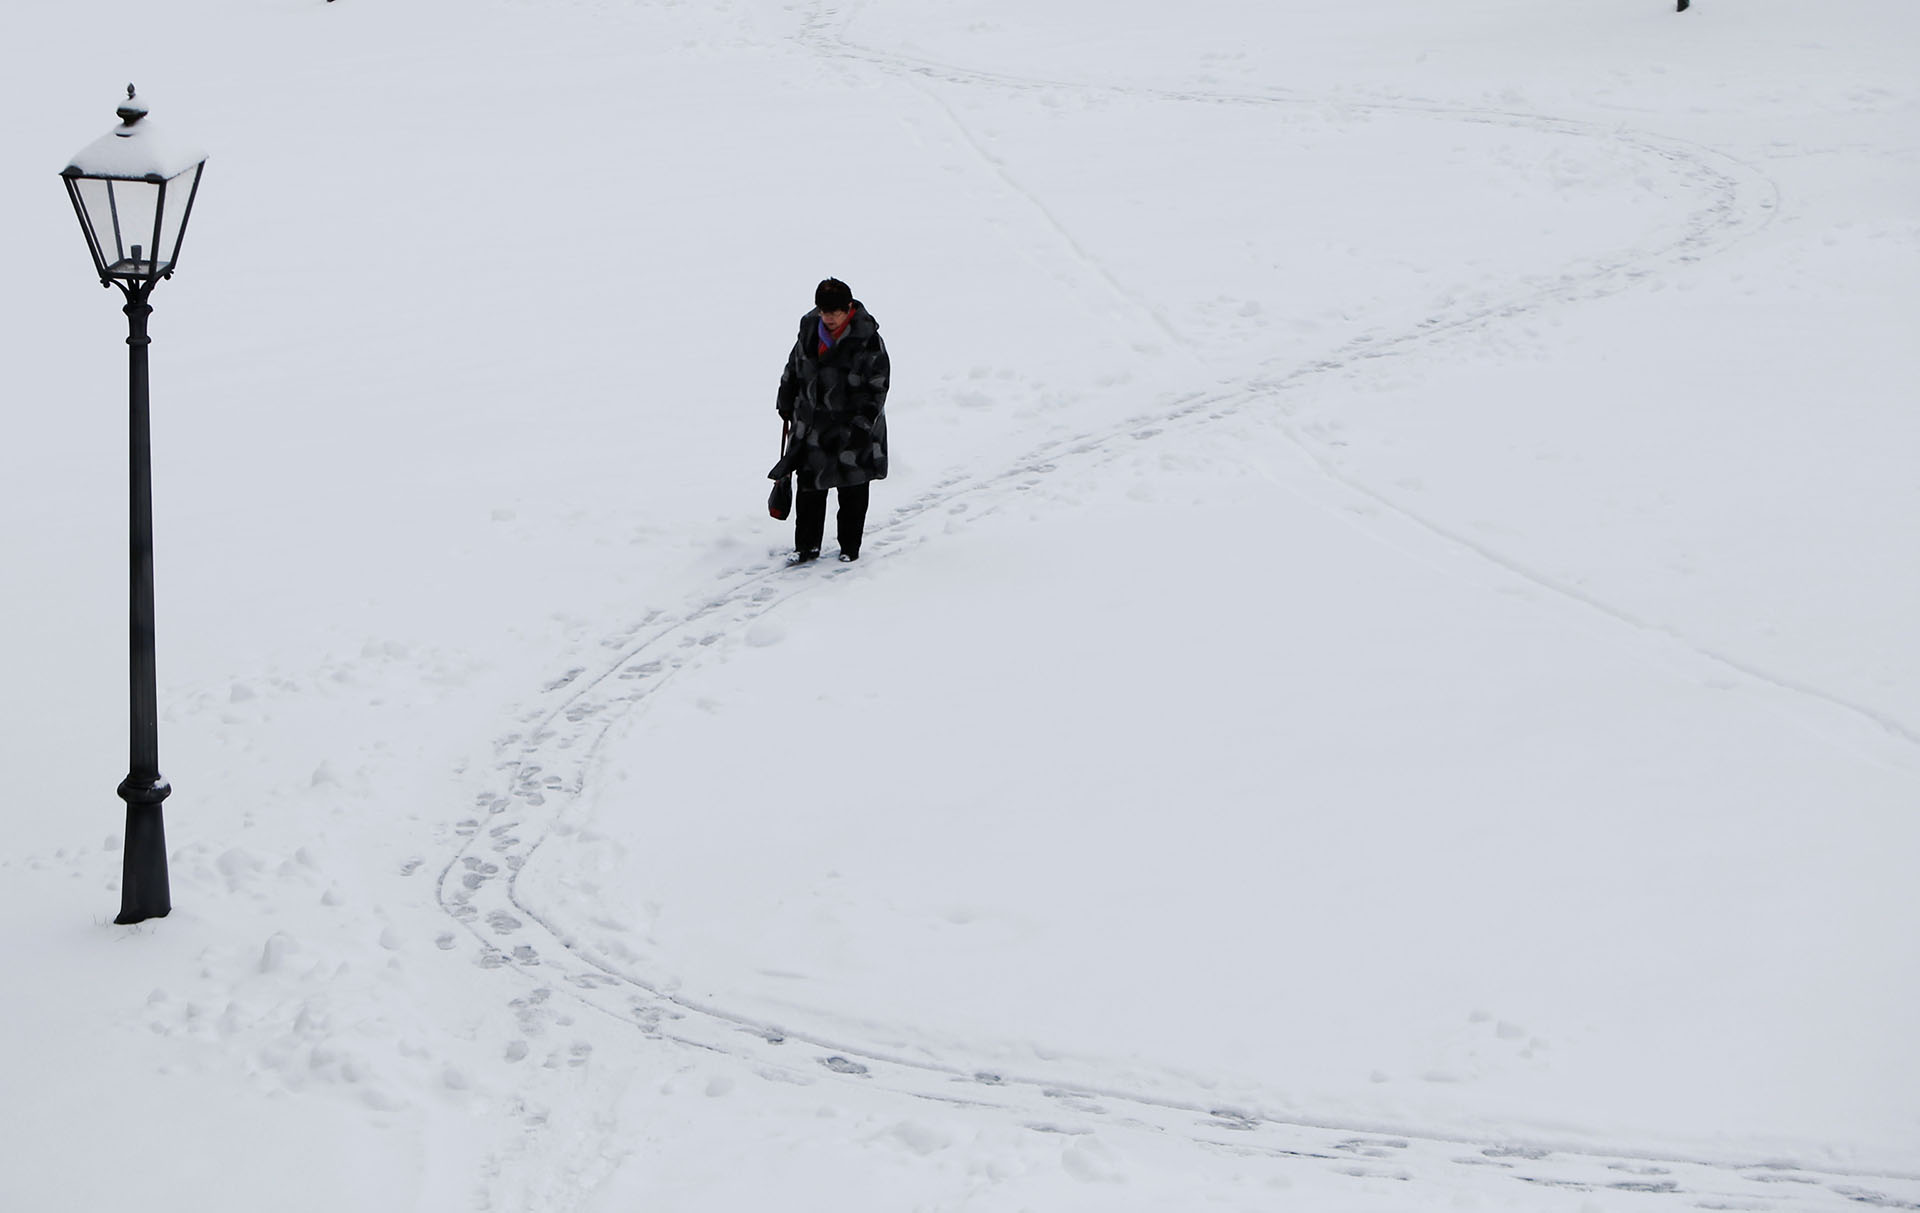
{"points": [[136, 152], [1381, 679]]}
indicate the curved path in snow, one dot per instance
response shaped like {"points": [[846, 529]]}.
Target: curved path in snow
{"points": [[543, 769]]}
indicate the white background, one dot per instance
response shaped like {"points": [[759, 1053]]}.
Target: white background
{"points": [[1382, 676]]}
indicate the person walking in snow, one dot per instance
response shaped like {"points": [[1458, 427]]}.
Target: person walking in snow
{"points": [[833, 395]]}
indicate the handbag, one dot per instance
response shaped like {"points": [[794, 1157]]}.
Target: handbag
{"points": [[780, 500]]}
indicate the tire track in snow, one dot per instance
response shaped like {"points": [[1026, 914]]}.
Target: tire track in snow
{"points": [[544, 770], [1742, 202], [548, 772], [1087, 260]]}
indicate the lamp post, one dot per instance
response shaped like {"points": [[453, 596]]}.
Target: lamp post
{"points": [[133, 189]]}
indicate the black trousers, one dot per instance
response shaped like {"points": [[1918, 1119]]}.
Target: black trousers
{"points": [[810, 518]]}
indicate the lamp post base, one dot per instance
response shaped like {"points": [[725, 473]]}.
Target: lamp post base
{"points": [[144, 892]]}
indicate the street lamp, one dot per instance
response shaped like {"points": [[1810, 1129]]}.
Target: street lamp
{"points": [[133, 190]]}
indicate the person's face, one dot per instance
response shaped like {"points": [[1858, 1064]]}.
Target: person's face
{"points": [[834, 318]]}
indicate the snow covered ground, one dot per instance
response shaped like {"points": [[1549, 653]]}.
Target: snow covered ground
{"points": [[1382, 678]]}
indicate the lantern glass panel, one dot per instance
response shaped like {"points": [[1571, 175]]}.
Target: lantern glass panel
{"points": [[180, 191], [121, 216], [120, 213]]}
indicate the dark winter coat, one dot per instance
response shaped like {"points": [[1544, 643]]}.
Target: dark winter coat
{"points": [[837, 403]]}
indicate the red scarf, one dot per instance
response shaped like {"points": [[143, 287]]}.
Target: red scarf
{"points": [[831, 337]]}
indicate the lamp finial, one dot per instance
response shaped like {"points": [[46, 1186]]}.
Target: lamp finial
{"points": [[131, 111]]}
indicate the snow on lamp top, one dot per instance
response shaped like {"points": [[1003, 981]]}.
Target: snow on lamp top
{"points": [[134, 151]]}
